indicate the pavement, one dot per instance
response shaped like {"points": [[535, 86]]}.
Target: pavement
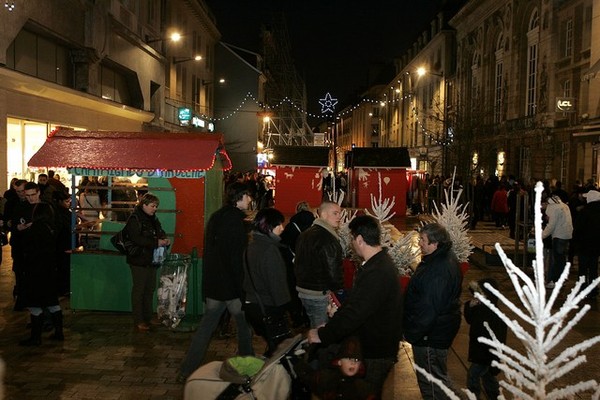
{"points": [[103, 358]]}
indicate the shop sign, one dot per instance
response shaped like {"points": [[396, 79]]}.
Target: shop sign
{"points": [[123, 173], [184, 115], [565, 104]]}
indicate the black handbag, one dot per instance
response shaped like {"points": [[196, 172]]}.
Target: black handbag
{"points": [[123, 244], [276, 327]]}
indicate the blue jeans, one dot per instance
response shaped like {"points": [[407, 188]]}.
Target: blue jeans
{"points": [[435, 362], [316, 308], [209, 322], [560, 250], [480, 374]]}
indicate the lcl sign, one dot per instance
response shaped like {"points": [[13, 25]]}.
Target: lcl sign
{"points": [[565, 104]]}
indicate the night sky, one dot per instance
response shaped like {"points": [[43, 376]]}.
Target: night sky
{"points": [[337, 45]]}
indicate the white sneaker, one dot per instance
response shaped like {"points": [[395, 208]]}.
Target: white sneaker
{"points": [[550, 285]]}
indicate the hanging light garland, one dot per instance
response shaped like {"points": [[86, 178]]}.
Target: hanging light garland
{"points": [[287, 100]]}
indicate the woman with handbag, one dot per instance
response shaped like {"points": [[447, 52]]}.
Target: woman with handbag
{"points": [[265, 280], [144, 229]]}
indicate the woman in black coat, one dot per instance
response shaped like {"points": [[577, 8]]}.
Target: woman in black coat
{"points": [[265, 279], [144, 230]]}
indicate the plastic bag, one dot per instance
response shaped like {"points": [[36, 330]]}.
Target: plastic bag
{"points": [[172, 290], [159, 255]]}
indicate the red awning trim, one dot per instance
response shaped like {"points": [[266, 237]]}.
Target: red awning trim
{"points": [[144, 151]]}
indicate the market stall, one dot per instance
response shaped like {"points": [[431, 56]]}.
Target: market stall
{"points": [[183, 169], [379, 173], [299, 172]]}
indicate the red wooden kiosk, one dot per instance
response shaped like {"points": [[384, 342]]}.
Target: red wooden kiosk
{"points": [[299, 175], [379, 172], [185, 170]]}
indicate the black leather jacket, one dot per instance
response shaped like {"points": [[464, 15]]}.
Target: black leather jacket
{"points": [[432, 307], [318, 262], [144, 230]]}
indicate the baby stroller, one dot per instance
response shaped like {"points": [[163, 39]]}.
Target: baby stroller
{"points": [[272, 381]]}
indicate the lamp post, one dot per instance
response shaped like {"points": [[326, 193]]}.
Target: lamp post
{"points": [[206, 83], [179, 60], [174, 37], [422, 71]]}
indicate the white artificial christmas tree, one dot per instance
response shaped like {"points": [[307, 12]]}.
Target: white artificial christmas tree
{"points": [[454, 217], [540, 324], [381, 208]]}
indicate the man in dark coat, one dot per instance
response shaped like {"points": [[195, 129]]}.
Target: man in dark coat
{"points": [[318, 263], [587, 240], [225, 240], [373, 311], [432, 308], [37, 227]]}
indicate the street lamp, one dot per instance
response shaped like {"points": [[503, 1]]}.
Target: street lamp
{"points": [[422, 71], [173, 37], [179, 60], [206, 83]]}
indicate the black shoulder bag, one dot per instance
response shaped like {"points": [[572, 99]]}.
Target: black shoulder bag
{"points": [[276, 327], [123, 244]]}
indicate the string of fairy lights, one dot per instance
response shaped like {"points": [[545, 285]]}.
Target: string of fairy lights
{"points": [[434, 137]]}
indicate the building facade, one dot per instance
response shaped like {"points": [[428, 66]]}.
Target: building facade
{"points": [[104, 65], [505, 88]]}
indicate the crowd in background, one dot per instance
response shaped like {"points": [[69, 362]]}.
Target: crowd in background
{"points": [[269, 269]]}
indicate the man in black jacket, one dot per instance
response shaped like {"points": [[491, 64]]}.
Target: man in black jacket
{"points": [[373, 311], [225, 240], [318, 263], [432, 308]]}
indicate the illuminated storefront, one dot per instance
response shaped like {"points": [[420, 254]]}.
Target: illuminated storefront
{"points": [[23, 139]]}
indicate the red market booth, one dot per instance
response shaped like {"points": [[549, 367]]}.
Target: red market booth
{"points": [[298, 175], [184, 170], [379, 173]]}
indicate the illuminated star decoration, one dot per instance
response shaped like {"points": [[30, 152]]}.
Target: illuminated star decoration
{"points": [[327, 104]]}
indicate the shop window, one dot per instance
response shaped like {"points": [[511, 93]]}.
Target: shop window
{"points": [[39, 56], [120, 85]]}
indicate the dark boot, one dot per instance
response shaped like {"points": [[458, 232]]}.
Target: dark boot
{"points": [[36, 332], [57, 321]]}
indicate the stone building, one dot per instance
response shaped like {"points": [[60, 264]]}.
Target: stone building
{"points": [[500, 88], [522, 94]]}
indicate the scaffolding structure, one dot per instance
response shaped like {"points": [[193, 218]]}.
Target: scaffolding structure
{"points": [[285, 122]]}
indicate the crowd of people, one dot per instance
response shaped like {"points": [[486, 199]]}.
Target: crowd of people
{"points": [[263, 270], [297, 268], [38, 218], [568, 217], [274, 278]]}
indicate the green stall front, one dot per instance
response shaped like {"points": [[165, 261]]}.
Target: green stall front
{"points": [[185, 171]]}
